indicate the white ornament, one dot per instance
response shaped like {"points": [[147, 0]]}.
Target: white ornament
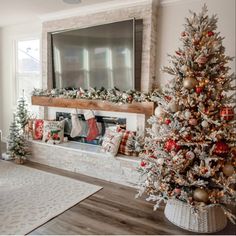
{"points": [[204, 124], [187, 114], [160, 161], [190, 155], [173, 106], [159, 112], [155, 128], [53, 91]]}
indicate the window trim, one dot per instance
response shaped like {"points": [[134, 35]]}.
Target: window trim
{"points": [[15, 83]]}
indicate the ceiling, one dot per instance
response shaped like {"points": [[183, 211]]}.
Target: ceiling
{"points": [[21, 11]]}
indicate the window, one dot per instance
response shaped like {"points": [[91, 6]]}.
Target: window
{"points": [[28, 72]]}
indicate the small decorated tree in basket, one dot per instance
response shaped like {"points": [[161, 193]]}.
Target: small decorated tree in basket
{"points": [[189, 158], [17, 145]]}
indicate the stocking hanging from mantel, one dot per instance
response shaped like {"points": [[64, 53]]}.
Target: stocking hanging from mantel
{"points": [[92, 125], [76, 126]]}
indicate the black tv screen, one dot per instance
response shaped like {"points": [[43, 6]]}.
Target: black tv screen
{"points": [[99, 56]]}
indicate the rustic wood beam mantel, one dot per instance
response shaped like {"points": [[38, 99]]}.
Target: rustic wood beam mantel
{"points": [[146, 108]]}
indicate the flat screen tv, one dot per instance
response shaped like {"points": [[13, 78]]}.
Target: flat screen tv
{"points": [[106, 56]]}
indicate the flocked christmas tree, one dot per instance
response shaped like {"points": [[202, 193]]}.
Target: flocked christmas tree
{"points": [[17, 145], [22, 114], [189, 152]]}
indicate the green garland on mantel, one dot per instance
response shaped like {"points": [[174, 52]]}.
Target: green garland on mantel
{"points": [[112, 95]]}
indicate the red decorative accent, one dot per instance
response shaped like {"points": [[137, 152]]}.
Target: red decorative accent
{"points": [[38, 129], [143, 163], [167, 121], [188, 137], [168, 98], [199, 89], [177, 190], [193, 121], [227, 113], [153, 157], [201, 60], [127, 137], [233, 151], [178, 53], [221, 148], [210, 33], [171, 145]]}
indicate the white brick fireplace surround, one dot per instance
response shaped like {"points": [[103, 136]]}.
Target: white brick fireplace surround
{"points": [[84, 158], [87, 159]]}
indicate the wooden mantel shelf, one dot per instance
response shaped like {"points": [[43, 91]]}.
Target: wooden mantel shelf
{"points": [[146, 108]]}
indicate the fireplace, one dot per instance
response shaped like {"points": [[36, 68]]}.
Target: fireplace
{"points": [[103, 122]]}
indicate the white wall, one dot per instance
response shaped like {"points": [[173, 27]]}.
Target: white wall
{"points": [[171, 17], [1, 97], [170, 25], [7, 96]]}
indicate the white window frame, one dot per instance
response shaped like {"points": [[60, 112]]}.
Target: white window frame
{"points": [[15, 83]]}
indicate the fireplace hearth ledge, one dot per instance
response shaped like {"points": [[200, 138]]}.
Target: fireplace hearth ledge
{"points": [[87, 159]]}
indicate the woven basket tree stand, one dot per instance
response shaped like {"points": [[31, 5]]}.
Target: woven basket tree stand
{"points": [[181, 214], [19, 160]]}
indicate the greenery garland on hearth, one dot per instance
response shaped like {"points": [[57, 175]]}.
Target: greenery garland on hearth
{"points": [[112, 95]]}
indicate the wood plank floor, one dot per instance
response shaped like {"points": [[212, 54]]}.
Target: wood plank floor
{"points": [[112, 210]]}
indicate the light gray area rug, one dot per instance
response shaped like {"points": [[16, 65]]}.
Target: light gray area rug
{"points": [[30, 197]]}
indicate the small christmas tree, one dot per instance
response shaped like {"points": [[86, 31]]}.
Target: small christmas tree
{"points": [[17, 146], [22, 114], [190, 150]]}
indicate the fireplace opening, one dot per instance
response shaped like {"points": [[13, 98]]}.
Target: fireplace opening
{"points": [[103, 122]]}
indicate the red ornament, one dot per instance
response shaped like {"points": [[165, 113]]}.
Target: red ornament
{"points": [[143, 163], [177, 191], [221, 148], [201, 60], [227, 113], [130, 99], [193, 121], [168, 98], [210, 33], [183, 34], [178, 53], [199, 89], [153, 157], [171, 145], [167, 121]]}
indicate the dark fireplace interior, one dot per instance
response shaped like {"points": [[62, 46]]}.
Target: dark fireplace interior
{"points": [[103, 122]]}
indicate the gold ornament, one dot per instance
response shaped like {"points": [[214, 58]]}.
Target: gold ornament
{"points": [[201, 84], [228, 170], [173, 106], [200, 195], [189, 82]]}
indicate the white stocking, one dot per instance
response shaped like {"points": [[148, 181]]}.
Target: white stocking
{"points": [[76, 126]]}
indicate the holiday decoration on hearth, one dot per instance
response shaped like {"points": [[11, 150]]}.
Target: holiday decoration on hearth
{"points": [[189, 151]]}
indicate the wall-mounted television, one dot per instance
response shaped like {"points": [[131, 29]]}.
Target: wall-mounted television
{"points": [[106, 56]]}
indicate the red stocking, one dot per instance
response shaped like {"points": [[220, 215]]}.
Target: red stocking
{"points": [[92, 126]]}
